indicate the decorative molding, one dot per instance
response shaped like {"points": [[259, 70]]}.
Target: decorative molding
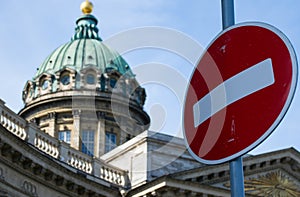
{"points": [[52, 115], [29, 188], [272, 184]]}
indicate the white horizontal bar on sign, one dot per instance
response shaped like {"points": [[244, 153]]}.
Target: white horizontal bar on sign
{"points": [[251, 80]]}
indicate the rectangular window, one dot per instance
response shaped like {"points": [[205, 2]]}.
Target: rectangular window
{"points": [[110, 141], [65, 136], [87, 140]]}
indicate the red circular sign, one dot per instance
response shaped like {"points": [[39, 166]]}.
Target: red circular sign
{"points": [[239, 92]]}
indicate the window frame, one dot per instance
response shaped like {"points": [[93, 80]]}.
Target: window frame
{"points": [[65, 136], [109, 143], [62, 81], [45, 84], [88, 77], [87, 144]]}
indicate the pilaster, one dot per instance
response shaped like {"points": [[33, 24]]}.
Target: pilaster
{"points": [[52, 124], [100, 143], [75, 135]]}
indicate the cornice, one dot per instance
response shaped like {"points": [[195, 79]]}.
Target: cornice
{"points": [[38, 166]]}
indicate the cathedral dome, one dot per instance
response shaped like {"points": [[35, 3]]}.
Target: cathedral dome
{"points": [[85, 93], [85, 62]]}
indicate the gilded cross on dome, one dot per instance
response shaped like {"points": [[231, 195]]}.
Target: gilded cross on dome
{"points": [[86, 7]]}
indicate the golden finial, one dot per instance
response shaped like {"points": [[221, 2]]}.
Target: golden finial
{"points": [[86, 7]]}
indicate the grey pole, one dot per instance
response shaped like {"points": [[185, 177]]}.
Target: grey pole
{"points": [[227, 13], [236, 165], [237, 178]]}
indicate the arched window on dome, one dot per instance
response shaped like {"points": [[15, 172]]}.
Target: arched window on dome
{"points": [[28, 91], [89, 78], [65, 80], [45, 83]]}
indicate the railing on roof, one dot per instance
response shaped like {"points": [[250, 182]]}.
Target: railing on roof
{"points": [[12, 122], [60, 150]]}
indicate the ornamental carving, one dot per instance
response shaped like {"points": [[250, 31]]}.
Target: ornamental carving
{"points": [[272, 184], [29, 188]]}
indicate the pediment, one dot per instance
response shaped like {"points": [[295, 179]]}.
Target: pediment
{"points": [[276, 173]]}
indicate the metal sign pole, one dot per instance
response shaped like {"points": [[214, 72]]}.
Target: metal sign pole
{"points": [[236, 166], [237, 178], [227, 13]]}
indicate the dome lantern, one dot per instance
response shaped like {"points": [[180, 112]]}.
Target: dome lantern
{"points": [[86, 24]]}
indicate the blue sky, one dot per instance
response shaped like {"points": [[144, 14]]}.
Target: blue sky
{"points": [[31, 30]]}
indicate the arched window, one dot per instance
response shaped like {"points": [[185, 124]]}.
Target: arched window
{"points": [[28, 91], [65, 79], [45, 84], [90, 79]]}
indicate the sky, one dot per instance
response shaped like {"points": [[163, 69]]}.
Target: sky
{"points": [[30, 30]]}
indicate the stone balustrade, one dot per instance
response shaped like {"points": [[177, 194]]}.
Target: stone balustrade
{"points": [[109, 173], [113, 175], [79, 160], [60, 150], [47, 144], [12, 122]]}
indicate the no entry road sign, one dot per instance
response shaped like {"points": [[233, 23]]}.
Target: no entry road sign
{"points": [[239, 92]]}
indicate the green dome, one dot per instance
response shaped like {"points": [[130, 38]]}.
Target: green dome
{"points": [[84, 50], [82, 53]]}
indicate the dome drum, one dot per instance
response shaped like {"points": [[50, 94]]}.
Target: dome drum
{"points": [[81, 113], [88, 79]]}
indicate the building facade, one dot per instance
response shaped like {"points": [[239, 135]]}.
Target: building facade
{"points": [[83, 132]]}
